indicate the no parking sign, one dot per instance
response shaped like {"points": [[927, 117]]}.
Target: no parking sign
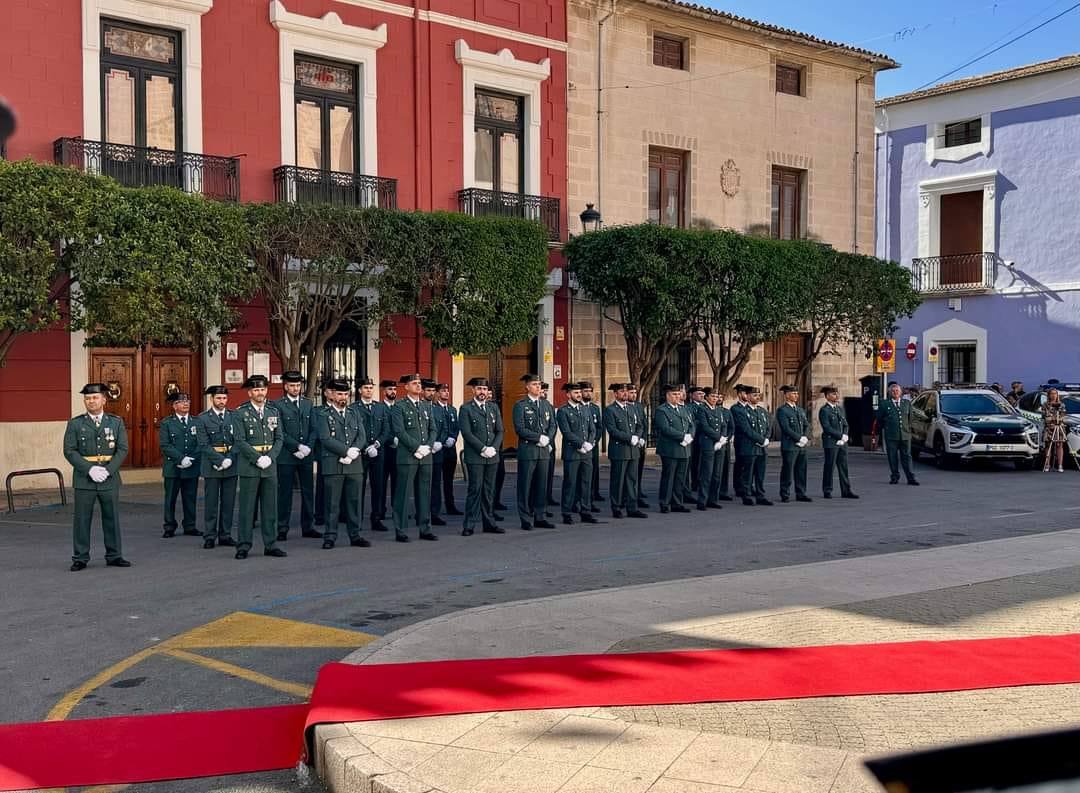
{"points": [[885, 356]]}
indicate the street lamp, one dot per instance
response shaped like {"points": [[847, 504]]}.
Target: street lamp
{"points": [[591, 219]]}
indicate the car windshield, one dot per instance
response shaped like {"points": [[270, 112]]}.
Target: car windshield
{"points": [[974, 405]]}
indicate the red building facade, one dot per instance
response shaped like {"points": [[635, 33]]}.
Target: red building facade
{"points": [[435, 105]]}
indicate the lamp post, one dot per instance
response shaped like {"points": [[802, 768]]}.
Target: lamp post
{"points": [[591, 220]]}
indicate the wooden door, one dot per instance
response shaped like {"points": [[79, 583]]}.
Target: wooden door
{"points": [[514, 365], [118, 370], [166, 372], [961, 238], [781, 367]]}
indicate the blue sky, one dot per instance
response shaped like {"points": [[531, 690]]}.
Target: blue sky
{"points": [[927, 37]]}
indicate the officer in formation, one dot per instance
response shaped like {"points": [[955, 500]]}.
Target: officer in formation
{"points": [[697, 399], [218, 468], [673, 427], [794, 438], [294, 461], [626, 445], [481, 427], [635, 404], [834, 440], [428, 390], [738, 409], [752, 428], [578, 440], [550, 502], [415, 431], [894, 423], [178, 436], [534, 423], [256, 430], [378, 435], [711, 440], [389, 483], [342, 440], [598, 422], [448, 414]]}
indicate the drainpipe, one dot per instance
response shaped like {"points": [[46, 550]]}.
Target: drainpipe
{"points": [[600, 105], [855, 172]]}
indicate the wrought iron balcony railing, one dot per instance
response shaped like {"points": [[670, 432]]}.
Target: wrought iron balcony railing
{"points": [[138, 166], [315, 186], [475, 201], [962, 272]]}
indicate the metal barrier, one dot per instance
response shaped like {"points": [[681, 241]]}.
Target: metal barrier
{"points": [[31, 472]]}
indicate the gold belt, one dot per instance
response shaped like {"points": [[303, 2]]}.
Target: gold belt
{"points": [[222, 449], [264, 448], [98, 458]]}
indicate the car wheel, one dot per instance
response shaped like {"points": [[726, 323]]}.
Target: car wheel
{"points": [[942, 459]]}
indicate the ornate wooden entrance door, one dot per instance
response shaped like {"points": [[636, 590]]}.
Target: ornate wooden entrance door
{"points": [[117, 369], [166, 372]]}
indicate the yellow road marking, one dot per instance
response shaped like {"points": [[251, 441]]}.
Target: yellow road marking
{"points": [[244, 629], [295, 689], [62, 709]]}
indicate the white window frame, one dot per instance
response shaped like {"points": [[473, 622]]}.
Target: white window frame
{"points": [[955, 332], [936, 153], [329, 37], [930, 192], [501, 72]]}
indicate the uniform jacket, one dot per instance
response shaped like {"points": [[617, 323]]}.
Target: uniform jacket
{"points": [[215, 443], [414, 427], [597, 419], [480, 427], [794, 424], [894, 423], [672, 423], [337, 434], [576, 425], [729, 421], [834, 424], [711, 426], [531, 420], [751, 429], [253, 437], [296, 429], [178, 442], [83, 440], [376, 420], [639, 408], [448, 416], [621, 424]]}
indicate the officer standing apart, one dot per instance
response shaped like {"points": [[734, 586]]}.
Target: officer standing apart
{"points": [[711, 436], [218, 468], [449, 449], [738, 411], [95, 443], [834, 439], [376, 420], [414, 429], [482, 436], [794, 438], [534, 423], [257, 442], [751, 440], [674, 431], [894, 423], [633, 402], [578, 438], [178, 437], [626, 443], [598, 422], [341, 438], [295, 459]]}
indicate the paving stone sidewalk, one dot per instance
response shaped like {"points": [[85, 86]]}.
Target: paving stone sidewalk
{"points": [[1020, 586]]}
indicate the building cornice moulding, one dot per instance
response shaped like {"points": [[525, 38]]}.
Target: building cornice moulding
{"points": [[502, 62], [192, 6], [329, 26]]}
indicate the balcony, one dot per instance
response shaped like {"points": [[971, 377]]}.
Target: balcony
{"points": [[137, 166], [543, 209], [963, 272], [316, 186]]}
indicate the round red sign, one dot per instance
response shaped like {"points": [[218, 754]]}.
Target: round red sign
{"points": [[911, 349], [886, 351]]}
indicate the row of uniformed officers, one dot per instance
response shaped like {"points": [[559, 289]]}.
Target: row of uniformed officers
{"points": [[406, 447]]}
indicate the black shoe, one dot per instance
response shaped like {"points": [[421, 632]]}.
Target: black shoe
{"points": [[452, 510], [826, 495], [327, 544], [315, 535], [644, 504], [359, 542], [749, 502], [616, 513], [502, 506], [168, 533], [702, 508], [275, 552], [714, 505], [226, 542], [428, 535], [119, 561], [805, 499], [401, 537], [498, 517], [849, 495], [526, 526], [763, 502], [241, 553], [784, 499], [894, 481], [587, 518], [679, 508], [725, 498], [208, 544], [437, 521], [913, 482], [637, 513], [494, 530], [282, 536], [567, 520], [192, 533], [598, 497], [664, 510], [548, 514], [544, 524], [377, 525], [77, 566], [466, 532]]}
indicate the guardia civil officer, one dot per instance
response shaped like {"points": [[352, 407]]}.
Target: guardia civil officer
{"points": [[482, 434], [218, 468], [178, 437], [449, 450], [428, 390], [794, 438], [894, 424], [534, 423], [545, 389], [834, 439], [711, 436], [738, 409], [257, 441], [697, 400], [95, 443], [294, 461], [752, 428], [723, 457], [316, 454], [626, 443], [633, 402], [377, 432], [578, 438], [341, 440], [389, 451], [674, 431], [415, 430], [598, 421]]}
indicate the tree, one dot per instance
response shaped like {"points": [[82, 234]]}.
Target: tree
{"points": [[653, 275]]}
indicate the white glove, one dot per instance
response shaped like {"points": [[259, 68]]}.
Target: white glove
{"points": [[723, 441], [588, 447], [544, 441], [840, 442], [765, 444], [226, 464], [449, 443], [299, 455], [634, 440], [264, 462], [424, 452], [216, 467], [99, 473], [372, 451], [185, 463], [803, 441], [436, 447], [303, 448], [488, 452], [687, 439], [345, 460], [641, 442], [718, 445], [843, 438], [419, 455], [352, 453], [395, 442]]}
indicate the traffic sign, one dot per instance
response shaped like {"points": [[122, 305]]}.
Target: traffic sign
{"points": [[932, 354], [885, 357], [911, 351]]}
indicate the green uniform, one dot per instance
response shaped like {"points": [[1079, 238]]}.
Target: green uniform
{"points": [[255, 436], [376, 419], [894, 424], [442, 486], [738, 409], [794, 425], [296, 431], [576, 425], [723, 456], [87, 444], [338, 431], [219, 486], [693, 469], [752, 425], [598, 422], [834, 426], [622, 424], [481, 426], [533, 418], [413, 426], [639, 408], [179, 438], [671, 426], [711, 427]]}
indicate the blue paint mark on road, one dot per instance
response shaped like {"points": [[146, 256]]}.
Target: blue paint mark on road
{"points": [[273, 604]]}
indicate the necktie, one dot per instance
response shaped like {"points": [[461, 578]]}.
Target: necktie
{"points": [[97, 421], [183, 420]]}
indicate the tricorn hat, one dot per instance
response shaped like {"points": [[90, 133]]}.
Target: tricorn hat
{"points": [[667, 388], [292, 376], [256, 381], [788, 389], [95, 388], [530, 378], [178, 396], [336, 385], [408, 378], [585, 384], [829, 389], [571, 386], [617, 387], [477, 381], [428, 383], [364, 381], [215, 390], [387, 383]]}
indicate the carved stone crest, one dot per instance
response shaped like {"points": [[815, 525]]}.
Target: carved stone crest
{"points": [[730, 178], [925, 199]]}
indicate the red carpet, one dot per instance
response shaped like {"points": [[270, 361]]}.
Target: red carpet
{"points": [[146, 748]]}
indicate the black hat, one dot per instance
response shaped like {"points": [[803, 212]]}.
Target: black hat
{"points": [[788, 389], [740, 388], [585, 384], [215, 390], [616, 387], [828, 389], [426, 383], [408, 378], [477, 381], [669, 387], [387, 384], [696, 388], [336, 385], [751, 389], [544, 385], [95, 388], [571, 386], [709, 390], [178, 396], [441, 386], [629, 386], [292, 376], [256, 381], [530, 378], [364, 381]]}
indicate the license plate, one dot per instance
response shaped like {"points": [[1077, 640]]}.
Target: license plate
{"points": [[998, 447]]}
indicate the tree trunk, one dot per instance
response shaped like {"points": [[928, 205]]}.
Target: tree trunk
{"points": [[434, 361]]}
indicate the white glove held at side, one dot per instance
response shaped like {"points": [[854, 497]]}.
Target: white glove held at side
{"points": [[98, 473], [449, 443], [687, 439], [345, 460], [840, 443], [544, 441], [299, 455], [303, 448], [185, 463], [634, 440], [264, 462], [372, 451], [718, 445], [765, 444], [436, 447], [352, 453], [226, 463], [844, 438], [419, 455]]}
